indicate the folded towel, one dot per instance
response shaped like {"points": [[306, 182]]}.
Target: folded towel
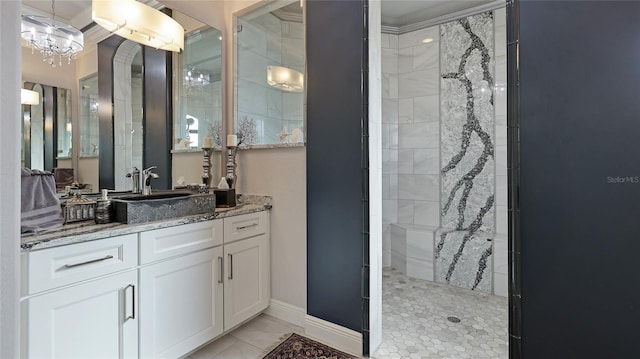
{"points": [[40, 206]]}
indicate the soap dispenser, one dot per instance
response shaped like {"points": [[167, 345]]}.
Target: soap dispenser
{"points": [[103, 208]]}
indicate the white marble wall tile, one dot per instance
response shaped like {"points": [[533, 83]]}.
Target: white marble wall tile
{"points": [[390, 161], [252, 38], [386, 245], [426, 56], [500, 101], [296, 30], [419, 135], [292, 51], [426, 213], [385, 136], [398, 261], [501, 72], [393, 41], [420, 244], [405, 161], [501, 284], [501, 131], [415, 37], [500, 254], [389, 86], [389, 110], [501, 190], [384, 41], [386, 186], [386, 258], [252, 97], [254, 67], [272, 24], [502, 224], [292, 105], [420, 269], [393, 135], [274, 48], [501, 160], [501, 41], [390, 61], [274, 103], [405, 60], [393, 187], [426, 161], [405, 110], [426, 108], [419, 187], [500, 17], [398, 239], [418, 83], [405, 212], [386, 236]]}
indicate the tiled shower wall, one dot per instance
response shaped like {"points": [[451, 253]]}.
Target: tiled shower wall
{"points": [[412, 144]]}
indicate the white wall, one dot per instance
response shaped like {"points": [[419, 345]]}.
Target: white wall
{"points": [[10, 179], [281, 173]]}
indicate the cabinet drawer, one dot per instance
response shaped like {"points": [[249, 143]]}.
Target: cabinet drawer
{"points": [[245, 226], [55, 267], [173, 241]]}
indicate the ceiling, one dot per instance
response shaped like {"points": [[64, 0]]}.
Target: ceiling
{"points": [[398, 13], [395, 13], [75, 12]]}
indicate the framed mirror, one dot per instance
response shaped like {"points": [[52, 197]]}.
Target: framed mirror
{"points": [[269, 75], [47, 128], [197, 86]]}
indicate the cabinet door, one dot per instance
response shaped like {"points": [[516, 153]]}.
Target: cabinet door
{"points": [[247, 287], [180, 304], [96, 319]]}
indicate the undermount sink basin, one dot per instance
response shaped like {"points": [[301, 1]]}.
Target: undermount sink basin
{"points": [[155, 196]]}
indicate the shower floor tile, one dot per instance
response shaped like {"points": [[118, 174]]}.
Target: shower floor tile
{"points": [[419, 320]]}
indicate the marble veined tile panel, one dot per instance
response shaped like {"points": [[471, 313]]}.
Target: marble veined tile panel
{"points": [[467, 124]]}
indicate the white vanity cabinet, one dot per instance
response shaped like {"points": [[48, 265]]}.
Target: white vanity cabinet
{"points": [[247, 286], [155, 294], [180, 298], [81, 308]]}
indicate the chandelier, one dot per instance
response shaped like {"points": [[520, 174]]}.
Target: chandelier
{"points": [[52, 37], [195, 80]]}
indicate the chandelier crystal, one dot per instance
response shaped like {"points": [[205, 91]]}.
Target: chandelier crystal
{"points": [[194, 80], [52, 37]]}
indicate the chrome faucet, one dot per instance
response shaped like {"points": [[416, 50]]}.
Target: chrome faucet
{"points": [[146, 182], [135, 177]]}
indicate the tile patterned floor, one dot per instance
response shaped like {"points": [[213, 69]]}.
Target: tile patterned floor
{"points": [[249, 341], [415, 324]]}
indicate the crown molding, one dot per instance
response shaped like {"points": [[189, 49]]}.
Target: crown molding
{"points": [[399, 30]]}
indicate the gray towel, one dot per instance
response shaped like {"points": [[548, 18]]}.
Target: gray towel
{"points": [[40, 206]]}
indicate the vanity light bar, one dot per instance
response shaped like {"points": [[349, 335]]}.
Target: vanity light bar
{"points": [[140, 23]]}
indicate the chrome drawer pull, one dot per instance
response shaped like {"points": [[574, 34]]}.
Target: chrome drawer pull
{"points": [[249, 226], [221, 279], [133, 301], [230, 266], [88, 262]]}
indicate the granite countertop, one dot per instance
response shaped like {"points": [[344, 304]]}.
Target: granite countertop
{"points": [[89, 230]]}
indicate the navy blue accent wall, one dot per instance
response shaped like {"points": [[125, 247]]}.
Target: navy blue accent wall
{"points": [[580, 168], [334, 152], [158, 114]]}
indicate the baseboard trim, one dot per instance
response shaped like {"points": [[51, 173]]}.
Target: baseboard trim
{"points": [[339, 337], [287, 312]]}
